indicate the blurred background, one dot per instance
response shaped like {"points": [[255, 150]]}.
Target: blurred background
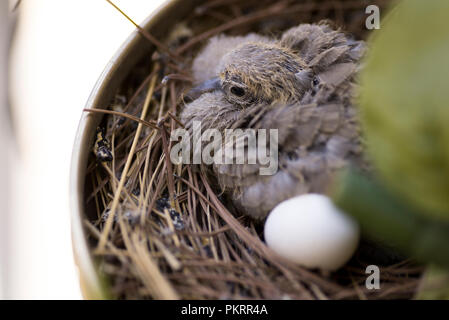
{"points": [[58, 50]]}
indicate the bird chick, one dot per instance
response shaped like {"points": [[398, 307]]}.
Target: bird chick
{"points": [[301, 85]]}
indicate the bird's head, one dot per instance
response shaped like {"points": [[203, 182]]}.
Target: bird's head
{"points": [[259, 72]]}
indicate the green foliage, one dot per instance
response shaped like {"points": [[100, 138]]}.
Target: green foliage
{"points": [[385, 217], [435, 284], [404, 101]]}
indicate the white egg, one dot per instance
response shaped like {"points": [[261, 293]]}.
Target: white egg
{"points": [[311, 231]]}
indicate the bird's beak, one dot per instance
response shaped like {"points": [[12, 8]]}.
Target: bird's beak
{"points": [[207, 86]]}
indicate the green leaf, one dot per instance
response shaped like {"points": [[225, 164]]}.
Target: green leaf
{"points": [[404, 98], [383, 216]]}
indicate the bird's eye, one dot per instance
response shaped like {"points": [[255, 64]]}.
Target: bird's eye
{"points": [[239, 92]]}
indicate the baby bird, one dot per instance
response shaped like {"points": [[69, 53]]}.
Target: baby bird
{"points": [[302, 85]]}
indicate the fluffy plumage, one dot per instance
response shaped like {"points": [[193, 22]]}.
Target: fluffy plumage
{"points": [[300, 84]]}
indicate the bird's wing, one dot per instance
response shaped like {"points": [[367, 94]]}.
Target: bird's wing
{"points": [[316, 137], [297, 127], [320, 46], [204, 66], [314, 142]]}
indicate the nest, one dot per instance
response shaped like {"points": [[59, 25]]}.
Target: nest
{"points": [[162, 231]]}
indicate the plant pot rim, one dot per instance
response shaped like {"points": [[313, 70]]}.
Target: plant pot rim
{"points": [[125, 58]]}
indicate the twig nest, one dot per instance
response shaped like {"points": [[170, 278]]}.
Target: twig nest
{"points": [[311, 231]]}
